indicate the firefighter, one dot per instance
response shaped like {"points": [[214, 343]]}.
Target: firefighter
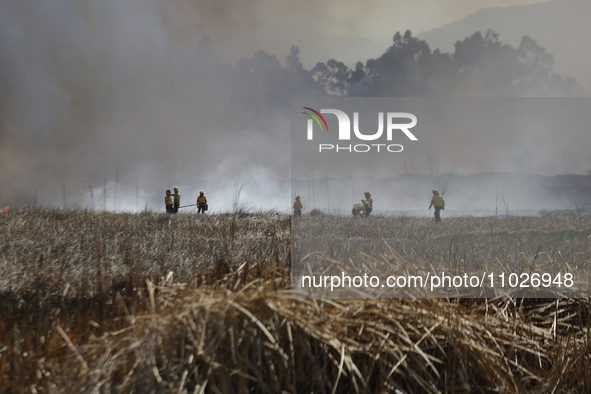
{"points": [[368, 203], [438, 203], [201, 203], [297, 207], [177, 200], [168, 202]]}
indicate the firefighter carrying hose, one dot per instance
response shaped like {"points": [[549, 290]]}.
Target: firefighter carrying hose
{"points": [[297, 207], [168, 202], [438, 203], [177, 200], [201, 203], [368, 203]]}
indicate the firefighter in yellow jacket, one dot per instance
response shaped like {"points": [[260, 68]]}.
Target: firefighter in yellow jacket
{"points": [[168, 202], [438, 203], [297, 207], [201, 203], [177, 200], [368, 203]]}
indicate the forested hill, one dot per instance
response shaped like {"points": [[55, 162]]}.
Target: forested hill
{"points": [[560, 26]]}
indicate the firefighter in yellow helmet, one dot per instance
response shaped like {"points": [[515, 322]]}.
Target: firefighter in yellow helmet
{"points": [[438, 203], [368, 203], [297, 207], [168, 202], [201, 203], [177, 200]]}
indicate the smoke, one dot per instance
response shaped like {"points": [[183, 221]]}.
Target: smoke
{"points": [[94, 91], [508, 149], [484, 194], [116, 101]]}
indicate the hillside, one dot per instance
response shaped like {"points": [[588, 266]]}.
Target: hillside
{"points": [[560, 26]]}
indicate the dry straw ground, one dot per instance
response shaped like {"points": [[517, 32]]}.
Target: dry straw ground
{"points": [[384, 246], [153, 303]]}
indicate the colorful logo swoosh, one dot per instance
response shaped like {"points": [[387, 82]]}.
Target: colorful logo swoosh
{"points": [[315, 118]]}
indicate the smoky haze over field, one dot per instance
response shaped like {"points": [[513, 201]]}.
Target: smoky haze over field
{"points": [[524, 136], [483, 194], [92, 89], [129, 97]]}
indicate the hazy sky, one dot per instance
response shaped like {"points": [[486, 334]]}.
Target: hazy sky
{"points": [[376, 18], [239, 28]]}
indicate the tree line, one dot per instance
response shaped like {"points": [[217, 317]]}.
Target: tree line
{"points": [[481, 65]]}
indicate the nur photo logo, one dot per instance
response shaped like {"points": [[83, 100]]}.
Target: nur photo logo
{"points": [[392, 120]]}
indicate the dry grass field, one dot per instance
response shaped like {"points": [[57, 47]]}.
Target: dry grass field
{"points": [[152, 303], [383, 246]]}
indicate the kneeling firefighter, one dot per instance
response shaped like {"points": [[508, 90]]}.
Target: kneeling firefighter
{"points": [[368, 203], [365, 207], [201, 203]]}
